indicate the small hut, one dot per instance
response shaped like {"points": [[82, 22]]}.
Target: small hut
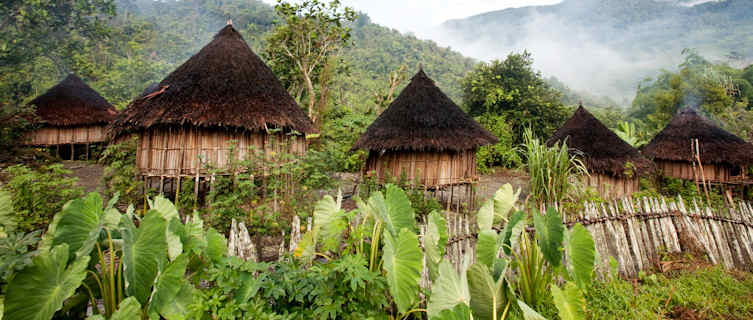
{"points": [[70, 113], [724, 157], [614, 166], [213, 109], [424, 137]]}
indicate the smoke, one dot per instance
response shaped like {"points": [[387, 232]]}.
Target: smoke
{"points": [[607, 61]]}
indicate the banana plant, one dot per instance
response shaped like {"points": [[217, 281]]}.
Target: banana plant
{"points": [[136, 268]]}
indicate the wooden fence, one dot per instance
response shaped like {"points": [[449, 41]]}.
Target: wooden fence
{"points": [[638, 233]]}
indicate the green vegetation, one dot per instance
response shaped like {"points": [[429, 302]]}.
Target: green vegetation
{"points": [[705, 293], [511, 88], [552, 170], [37, 195]]}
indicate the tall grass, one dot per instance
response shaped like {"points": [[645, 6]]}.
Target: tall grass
{"points": [[550, 169]]}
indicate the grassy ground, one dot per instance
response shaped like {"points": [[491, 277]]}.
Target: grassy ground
{"points": [[702, 293]]}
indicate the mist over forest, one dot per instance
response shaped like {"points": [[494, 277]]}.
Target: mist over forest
{"points": [[606, 47]]}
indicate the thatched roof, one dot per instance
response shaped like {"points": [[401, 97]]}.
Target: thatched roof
{"points": [[73, 103], [224, 85], [716, 145], [423, 118], [603, 152]]}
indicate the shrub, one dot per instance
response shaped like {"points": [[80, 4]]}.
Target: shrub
{"points": [[38, 194], [503, 153], [120, 171]]}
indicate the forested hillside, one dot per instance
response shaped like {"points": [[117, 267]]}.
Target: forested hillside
{"points": [[607, 46], [143, 40]]}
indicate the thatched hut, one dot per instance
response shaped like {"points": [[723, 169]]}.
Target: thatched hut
{"points": [[723, 156], [425, 137], [211, 110], [70, 113], [614, 166]]}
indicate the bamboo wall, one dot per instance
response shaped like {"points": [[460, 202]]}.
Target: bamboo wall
{"points": [[179, 151], [430, 169], [684, 170], [610, 187], [50, 136]]}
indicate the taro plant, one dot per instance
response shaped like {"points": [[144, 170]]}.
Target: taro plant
{"points": [[514, 269], [93, 255]]}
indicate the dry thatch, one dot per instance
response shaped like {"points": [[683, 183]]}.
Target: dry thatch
{"points": [[602, 150], [73, 103], [224, 85], [716, 145], [423, 118]]}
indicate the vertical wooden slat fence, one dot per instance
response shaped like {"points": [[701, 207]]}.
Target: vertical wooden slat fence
{"points": [[637, 232]]}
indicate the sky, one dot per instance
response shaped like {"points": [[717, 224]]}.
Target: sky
{"points": [[417, 16]]}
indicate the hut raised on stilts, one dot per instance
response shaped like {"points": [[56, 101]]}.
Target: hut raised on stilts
{"points": [[210, 112], [688, 138], [70, 114], [614, 166], [426, 138]]}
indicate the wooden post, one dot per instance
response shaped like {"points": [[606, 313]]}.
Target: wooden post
{"points": [[161, 185], [73, 152], [87, 151]]}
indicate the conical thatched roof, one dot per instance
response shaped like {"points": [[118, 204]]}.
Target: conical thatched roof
{"points": [[603, 151], [716, 145], [423, 118], [73, 103], [224, 85]]}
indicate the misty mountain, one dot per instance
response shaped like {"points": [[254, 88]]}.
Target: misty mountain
{"points": [[608, 46]]}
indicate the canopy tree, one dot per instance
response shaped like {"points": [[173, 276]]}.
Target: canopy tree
{"points": [[513, 89], [304, 49]]}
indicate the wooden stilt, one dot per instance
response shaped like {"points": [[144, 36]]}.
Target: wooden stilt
{"points": [[162, 185], [177, 191], [73, 152], [87, 151]]}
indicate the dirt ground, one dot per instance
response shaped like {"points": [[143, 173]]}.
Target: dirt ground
{"points": [[89, 174]]}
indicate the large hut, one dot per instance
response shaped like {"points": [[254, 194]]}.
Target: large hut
{"points": [[424, 137], [614, 166], [724, 157], [213, 109], [70, 114]]}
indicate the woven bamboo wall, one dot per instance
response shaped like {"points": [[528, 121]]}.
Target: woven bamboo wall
{"points": [[50, 136], [178, 151], [611, 187], [430, 169], [684, 170]]}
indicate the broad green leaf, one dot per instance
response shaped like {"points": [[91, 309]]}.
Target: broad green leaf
{"points": [[504, 201], [192, 235], [549, 233], [435, 241], [570, 302], [164, 207], [485, 215], [173, 236], [8, 222], [144, 252], [460, 312], [168, 284], [216, 245], [487, 295], [513, 230], [395, 211], [169, 212], [178, 309], [128, 309], [248, 288], [499, 268], [487, 247], [39, 290], [403, 264], [80, 224], [528, 312], [325, 211], [448, 291], [2, 306], [579, 248]]}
